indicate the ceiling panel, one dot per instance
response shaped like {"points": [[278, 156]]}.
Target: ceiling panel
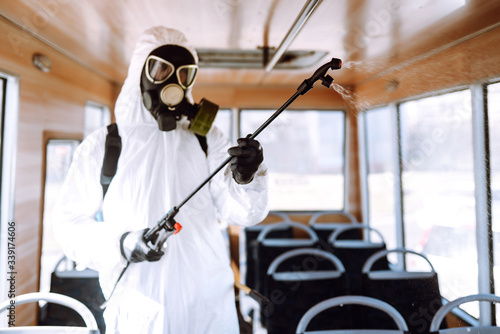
{"points": [[370, 36]]}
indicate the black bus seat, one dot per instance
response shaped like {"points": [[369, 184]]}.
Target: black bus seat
{"points": [[247, 253], [268, 247], [415, 294], [248, 241], [310, 316], [82, 285], [297, 280], [325, 228], [89, 323], [445, 309], [354, 253]]}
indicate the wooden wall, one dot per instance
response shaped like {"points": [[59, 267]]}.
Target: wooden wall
{"points": [[269, 97], [49, 103]]}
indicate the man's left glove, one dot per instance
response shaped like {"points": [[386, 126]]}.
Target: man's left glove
{"points": [[134, 247], [246, 159]]}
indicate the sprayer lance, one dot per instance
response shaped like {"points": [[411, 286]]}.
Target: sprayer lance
{"points": [[168, 222]]}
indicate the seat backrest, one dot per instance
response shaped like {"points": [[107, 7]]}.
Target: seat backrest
{"points": [[82, 285], [82, 310], [268, 248], [352, 300], [248, 242], [354, 253], [328, 225], [445, 309], [297, 280], [248, 255], [415, 294]]}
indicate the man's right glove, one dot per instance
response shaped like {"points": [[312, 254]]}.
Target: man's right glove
{"points": [[135, 249]]}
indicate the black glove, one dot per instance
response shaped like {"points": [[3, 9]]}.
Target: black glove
{"points": [[246, 159], [135, 249]]}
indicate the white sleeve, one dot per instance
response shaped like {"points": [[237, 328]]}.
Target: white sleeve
{"points": [[238, 204], [88, 242]]}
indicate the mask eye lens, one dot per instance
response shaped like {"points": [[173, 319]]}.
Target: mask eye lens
{"points": [[158, 70], [186, 75]]}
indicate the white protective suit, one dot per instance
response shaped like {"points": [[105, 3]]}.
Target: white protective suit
{"points": [[190, 290]]}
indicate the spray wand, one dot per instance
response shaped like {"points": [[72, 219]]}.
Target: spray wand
{"points": [[168, 223]]}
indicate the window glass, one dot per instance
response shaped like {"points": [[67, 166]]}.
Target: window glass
{"points": [[494, 125], [438, 189], [223, 122], [380, 156], [304, 152], [96, 116], [58, 159]]}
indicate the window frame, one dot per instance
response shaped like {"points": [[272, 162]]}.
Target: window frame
{"points": [[8, 150], [392, 108]]}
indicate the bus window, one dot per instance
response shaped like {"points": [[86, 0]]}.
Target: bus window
{"points": [[59, 154], [96, 116], [304, 151], [494, 125], [380, 149], [223, 122], [438, 189]]}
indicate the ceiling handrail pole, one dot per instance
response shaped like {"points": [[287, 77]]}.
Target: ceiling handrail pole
{"points": [[304, 15]]}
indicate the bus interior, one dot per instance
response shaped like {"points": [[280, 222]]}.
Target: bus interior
{"points": [[400, 151]]}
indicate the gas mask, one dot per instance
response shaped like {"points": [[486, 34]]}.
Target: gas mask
{"points": [[167, 76]]}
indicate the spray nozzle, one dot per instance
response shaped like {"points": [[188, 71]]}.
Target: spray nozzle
{"points": [[327, 81], [320, 74], [335, 64]]}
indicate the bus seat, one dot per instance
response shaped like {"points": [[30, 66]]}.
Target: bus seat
{"points": [[325, 228], [80, 308], [372, 303], [354, 253], [248, 252], [445, 309], [82, 285], [268, 248], [415, 294], [248, 241], [297, 280]]}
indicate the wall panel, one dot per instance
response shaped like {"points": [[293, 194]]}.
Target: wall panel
{"points": [[48, 101]]}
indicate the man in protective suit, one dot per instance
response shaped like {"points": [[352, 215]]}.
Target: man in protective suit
{"points": [[187, 287]]}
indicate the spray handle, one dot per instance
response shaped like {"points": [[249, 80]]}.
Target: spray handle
{"points": [[161, 237], [167, 222]]}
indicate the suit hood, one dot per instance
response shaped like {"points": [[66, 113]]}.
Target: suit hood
{"points": [[129, 108]]}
